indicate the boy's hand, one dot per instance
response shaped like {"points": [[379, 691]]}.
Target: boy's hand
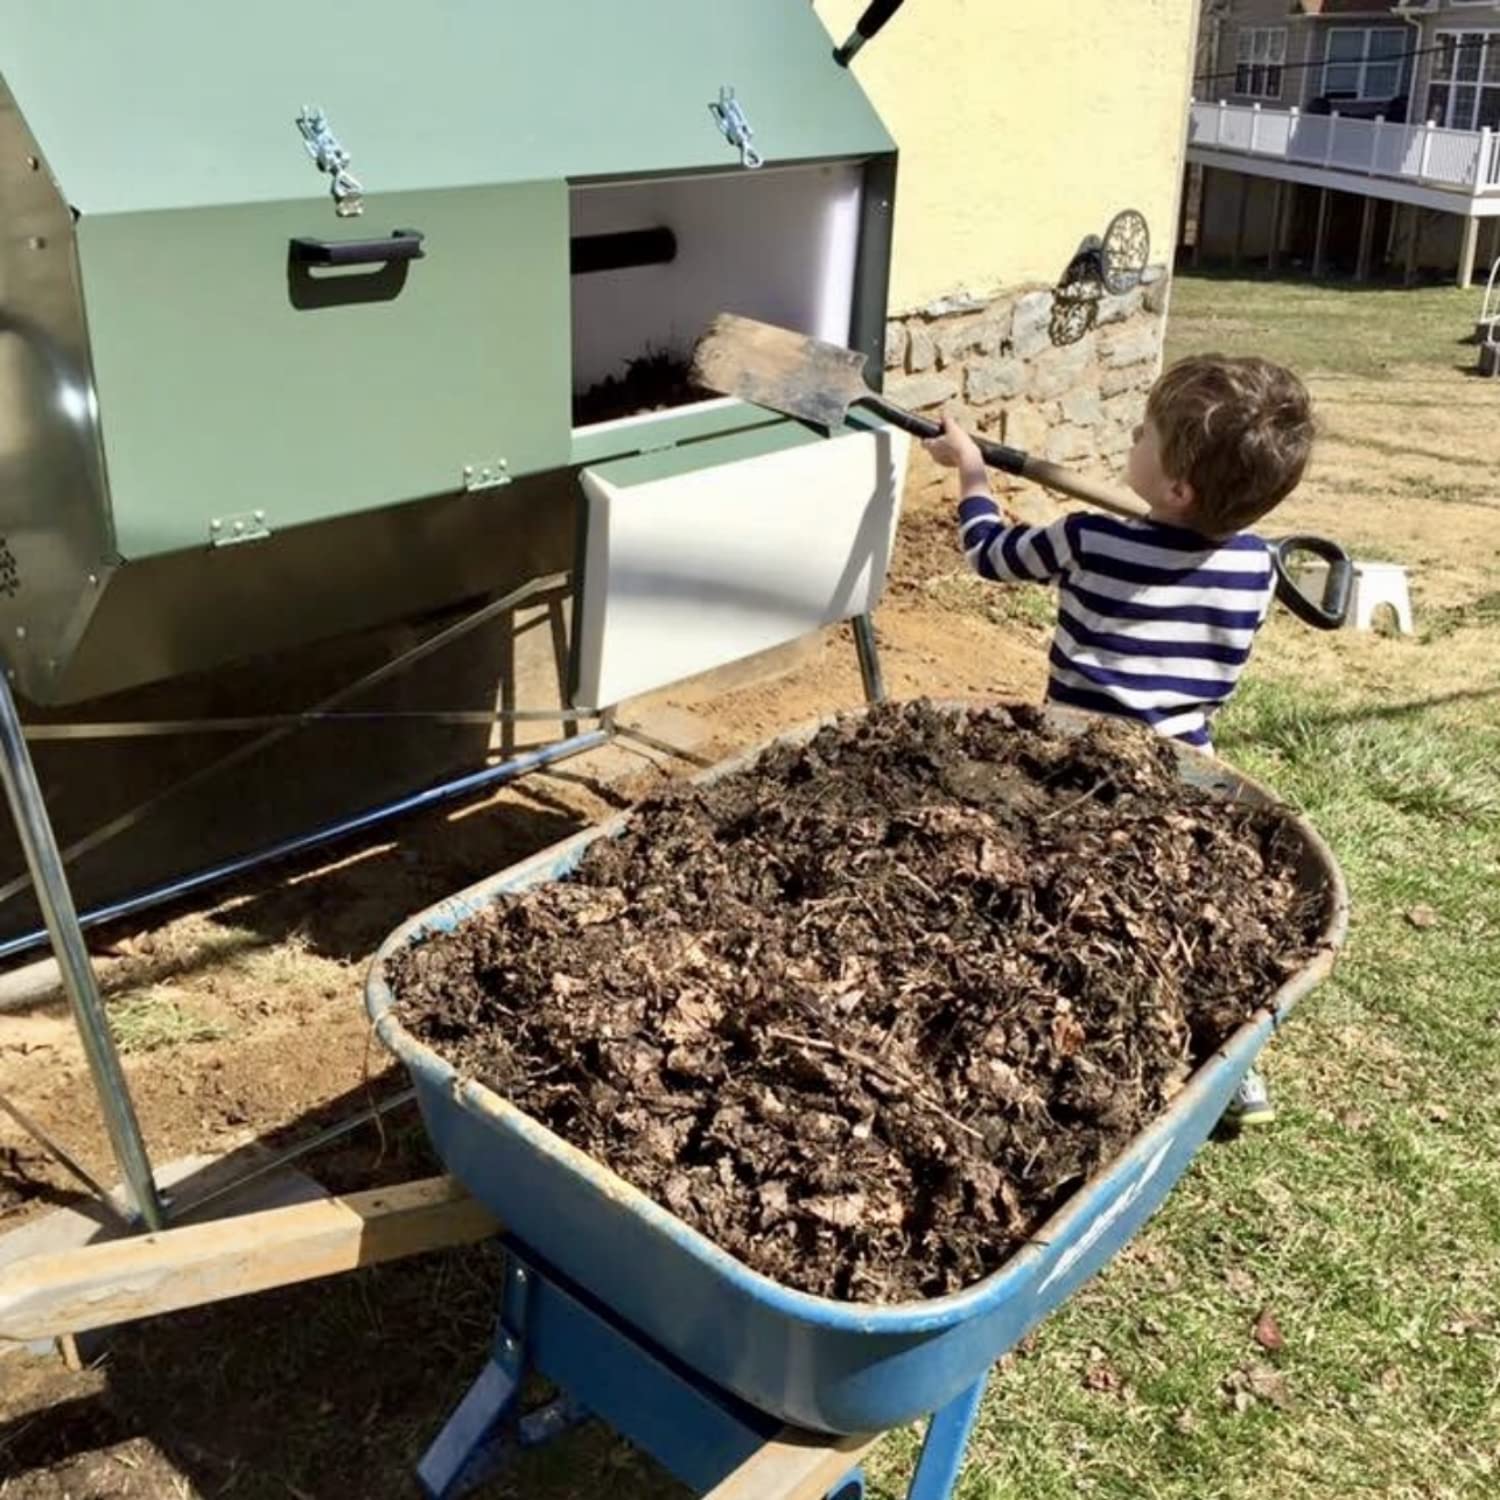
{"points": [[955, 449]]}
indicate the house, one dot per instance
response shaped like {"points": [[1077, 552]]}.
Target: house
{"points": [[1347, 133], [1023, 130]]}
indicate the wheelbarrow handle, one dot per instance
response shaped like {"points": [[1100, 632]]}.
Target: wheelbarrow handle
{"points": [[1338, 590]]}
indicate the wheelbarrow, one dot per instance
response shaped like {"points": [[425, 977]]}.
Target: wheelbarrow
{"points": [[638, 1319]]}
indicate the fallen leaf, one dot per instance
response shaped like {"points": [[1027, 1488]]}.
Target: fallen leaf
{"points": [[1241, 1283], [1269, 1385], [1186, 1422], [1391, 1380], [1268, 1331], [1438, 1114], [1464, 1324], [1257, 1382], [1422, 917], [1101, 1374], [1067, 1035], [844, 1212]]}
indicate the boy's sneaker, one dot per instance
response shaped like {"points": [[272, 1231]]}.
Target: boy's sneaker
{"points": [[1251, 1105]]}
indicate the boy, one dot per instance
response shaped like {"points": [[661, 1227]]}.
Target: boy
{"points": [[1156, 617]]}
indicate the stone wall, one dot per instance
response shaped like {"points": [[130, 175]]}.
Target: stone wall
{"points": [[995, 366]]}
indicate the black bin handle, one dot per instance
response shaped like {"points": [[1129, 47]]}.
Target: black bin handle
{"points": [[400, 244], [1333, 610]]}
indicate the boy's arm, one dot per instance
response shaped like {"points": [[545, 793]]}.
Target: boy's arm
{"points": [[998, 551], [1009, 552]]}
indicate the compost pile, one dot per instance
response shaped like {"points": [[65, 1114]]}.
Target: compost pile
{"points": [[866, 1013], [654, 382]]}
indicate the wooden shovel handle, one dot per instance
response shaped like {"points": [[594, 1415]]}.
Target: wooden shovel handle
{"points": [[1014, 461], [1078, 486]]}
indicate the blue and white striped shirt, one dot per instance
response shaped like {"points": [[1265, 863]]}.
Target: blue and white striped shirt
{"points": [[1154, 622]]}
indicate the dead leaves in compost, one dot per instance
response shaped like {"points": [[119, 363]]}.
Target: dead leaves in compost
{"points": [[867, 1013]]}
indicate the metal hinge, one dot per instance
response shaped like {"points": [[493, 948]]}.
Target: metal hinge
{"points": [[228, 531], [737, 129], [490, 476], [324, 148]]}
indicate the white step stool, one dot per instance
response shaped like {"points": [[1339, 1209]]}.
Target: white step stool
{"points": [[1375, 584]]}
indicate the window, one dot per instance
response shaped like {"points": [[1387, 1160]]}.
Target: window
{"points": [[1365, 62], [1465, 90], [1260, 61]]}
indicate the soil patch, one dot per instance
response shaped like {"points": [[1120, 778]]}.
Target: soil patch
{"points": [[868, 1012], [654, 382]]}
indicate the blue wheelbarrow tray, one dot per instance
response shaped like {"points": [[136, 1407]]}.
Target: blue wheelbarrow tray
{"points": [[828, 1366]]}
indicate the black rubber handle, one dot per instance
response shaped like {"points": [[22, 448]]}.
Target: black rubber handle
{"points": [[1333, 610], [867, 28], [877, 13], [624, 251], [401, 244]]}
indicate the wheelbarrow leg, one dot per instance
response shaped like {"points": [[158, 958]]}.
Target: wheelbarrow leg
{"points": [[458, 1451], [943, 1451]]}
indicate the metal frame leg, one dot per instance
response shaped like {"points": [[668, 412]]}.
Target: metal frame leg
{"points": [[34, 829], [869, 658], [942, 1457]]}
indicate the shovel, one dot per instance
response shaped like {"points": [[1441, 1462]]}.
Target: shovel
{"points": [[820, 383]]}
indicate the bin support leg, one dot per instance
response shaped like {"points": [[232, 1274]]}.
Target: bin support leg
{"points": [[869, 658], [943, 1451], [34, 828]]}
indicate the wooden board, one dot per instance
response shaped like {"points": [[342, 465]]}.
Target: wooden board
{"points": [[100, 1285], [795, 1466]]}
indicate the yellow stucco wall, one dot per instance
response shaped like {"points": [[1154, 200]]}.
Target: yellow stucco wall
{"points": [[1024, 125]]}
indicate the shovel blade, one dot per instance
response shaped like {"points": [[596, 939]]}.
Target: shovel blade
{"points": [[779, 369]]}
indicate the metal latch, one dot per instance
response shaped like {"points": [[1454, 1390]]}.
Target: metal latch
{"points": [[737, 130], [489, 476], [324, 148], [226, 531]]}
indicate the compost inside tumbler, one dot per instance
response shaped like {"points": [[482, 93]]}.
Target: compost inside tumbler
{"points": [[656, 381], [868, 1012]]}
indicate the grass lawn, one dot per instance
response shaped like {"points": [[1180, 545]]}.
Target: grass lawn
{"points": [[1366, 1222], [1332, 328]]}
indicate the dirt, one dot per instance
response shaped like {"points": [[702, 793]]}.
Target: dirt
{"points": [[867, 1013], [654, 382]]}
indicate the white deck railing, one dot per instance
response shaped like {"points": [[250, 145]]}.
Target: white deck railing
{"points": [[1466, 161]]}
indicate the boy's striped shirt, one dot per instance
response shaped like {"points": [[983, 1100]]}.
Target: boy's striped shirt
{"points": [[1154, 622]]}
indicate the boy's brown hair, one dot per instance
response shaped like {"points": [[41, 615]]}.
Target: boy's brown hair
{"points": [[1240, 431]]}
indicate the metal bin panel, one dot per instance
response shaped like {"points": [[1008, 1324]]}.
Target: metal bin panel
{"points": [[191, 103], [712, 552], [238, 386]]}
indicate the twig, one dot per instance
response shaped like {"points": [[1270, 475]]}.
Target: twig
{"points": [[917, 881], [1068, 807], [881, 1069]]}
